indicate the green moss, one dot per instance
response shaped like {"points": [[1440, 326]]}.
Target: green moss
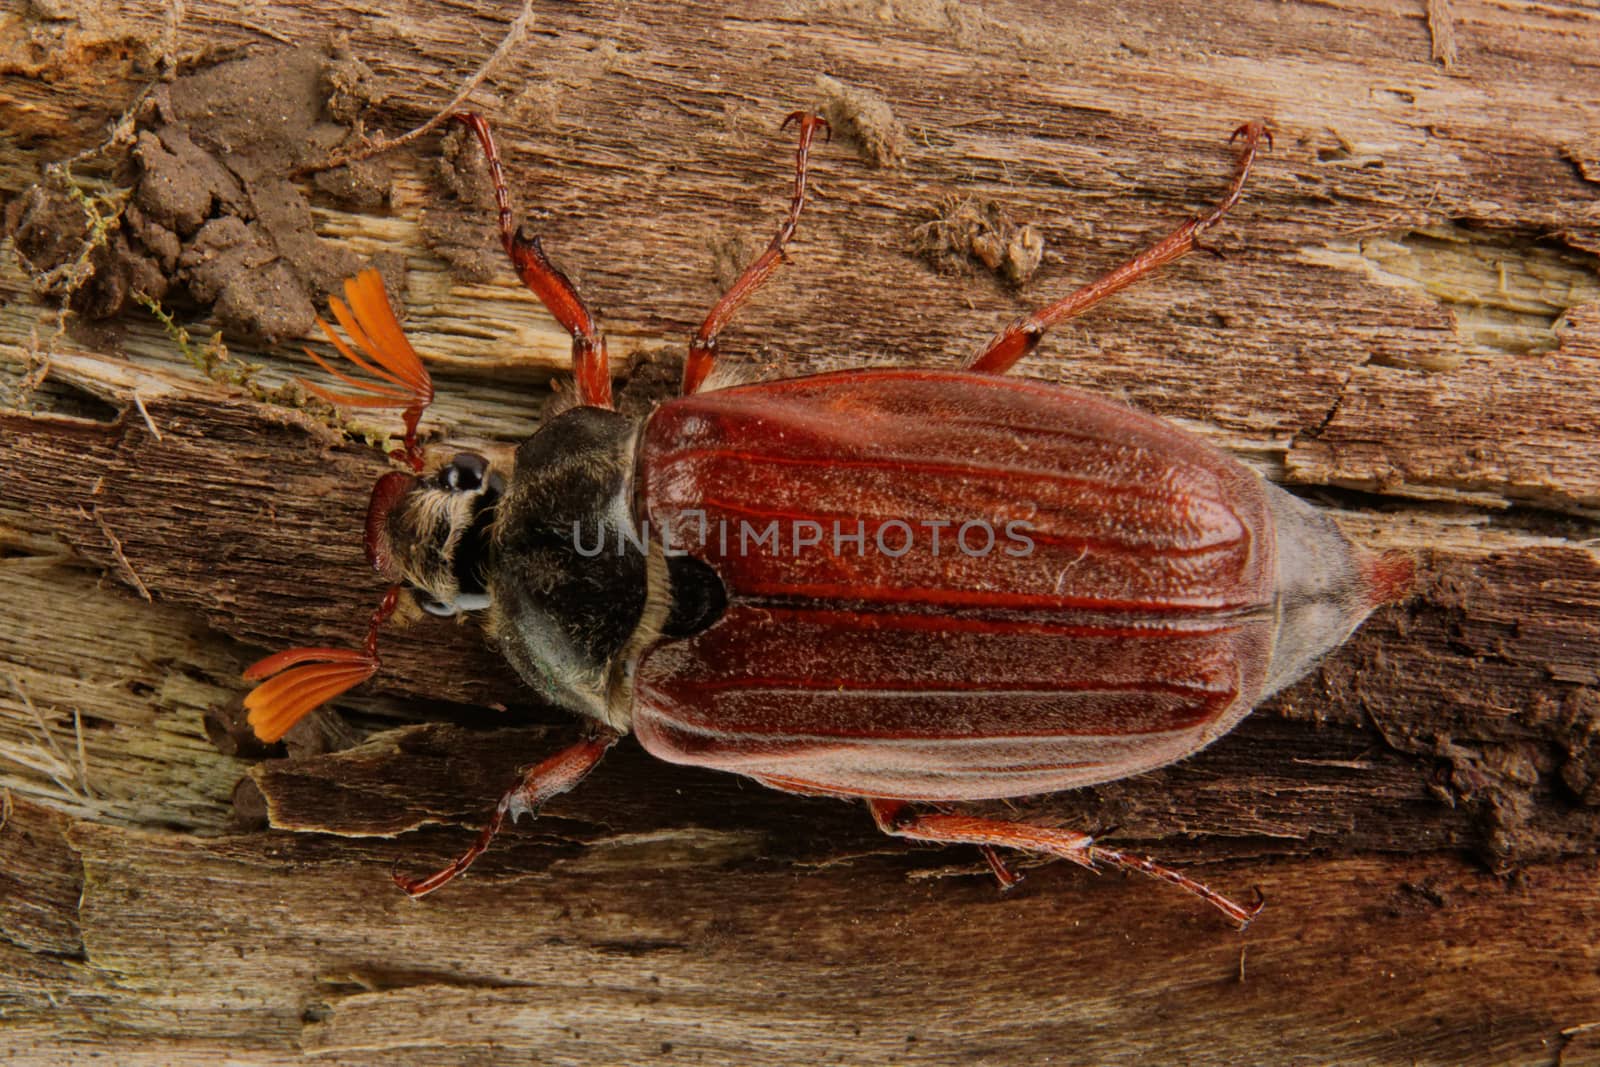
{"points": [[212, 358], [214, 361]]}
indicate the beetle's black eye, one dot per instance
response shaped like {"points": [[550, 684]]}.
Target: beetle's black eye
{"points": [[464, 473]]}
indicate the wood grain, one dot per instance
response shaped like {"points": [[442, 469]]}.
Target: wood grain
{"points": [[1405, 326]]}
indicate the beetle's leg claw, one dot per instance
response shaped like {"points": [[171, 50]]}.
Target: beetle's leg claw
{"points": [[1005, 874], [1251, 131], [808, 117], [1261, 902], [1201, 246]]}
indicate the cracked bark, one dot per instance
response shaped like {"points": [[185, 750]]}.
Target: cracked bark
{"points": [[1405, 327]]}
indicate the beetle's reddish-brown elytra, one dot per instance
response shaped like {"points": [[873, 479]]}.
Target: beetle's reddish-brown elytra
{"points": [[903, 585]]}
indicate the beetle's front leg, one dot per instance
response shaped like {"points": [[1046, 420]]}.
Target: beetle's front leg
{"points": [[551, 778], [895, 817], [1023, 336], [591, 366]]}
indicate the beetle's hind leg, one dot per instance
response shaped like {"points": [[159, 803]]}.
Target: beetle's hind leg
{"points": [[895, 817], [1005, 874], [703, 349], [1021, 337]]}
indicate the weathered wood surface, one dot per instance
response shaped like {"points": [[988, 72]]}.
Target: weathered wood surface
{"points": [[1406, 324]]}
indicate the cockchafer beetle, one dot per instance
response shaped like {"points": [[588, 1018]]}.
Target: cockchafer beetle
{"points": [[1149, 591]]}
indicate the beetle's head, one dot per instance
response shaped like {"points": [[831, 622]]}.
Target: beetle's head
{"points": [[422, 531], [433, 533]]}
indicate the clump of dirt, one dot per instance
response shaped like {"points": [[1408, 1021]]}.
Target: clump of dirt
{"points": [[213, 214], [1579, 770], [966, 230], [652, 376], [457, 236], [353, 88], [1585, 156], [864, 118], [75, 248]]}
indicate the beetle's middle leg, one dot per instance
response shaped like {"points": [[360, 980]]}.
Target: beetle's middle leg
{"points": [[591, 366], [895, 817], [703, 349], [1021, 337], [551, 778]]}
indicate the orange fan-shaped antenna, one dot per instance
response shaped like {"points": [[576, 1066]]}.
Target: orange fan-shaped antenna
{"points": [[309, 677], [401, 379]]}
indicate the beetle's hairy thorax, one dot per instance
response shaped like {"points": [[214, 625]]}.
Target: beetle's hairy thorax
{"points": [[576, 593]]}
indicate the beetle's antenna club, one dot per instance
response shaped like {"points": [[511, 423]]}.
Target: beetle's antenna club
{"points": [[310, 677], [404, 381]]}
